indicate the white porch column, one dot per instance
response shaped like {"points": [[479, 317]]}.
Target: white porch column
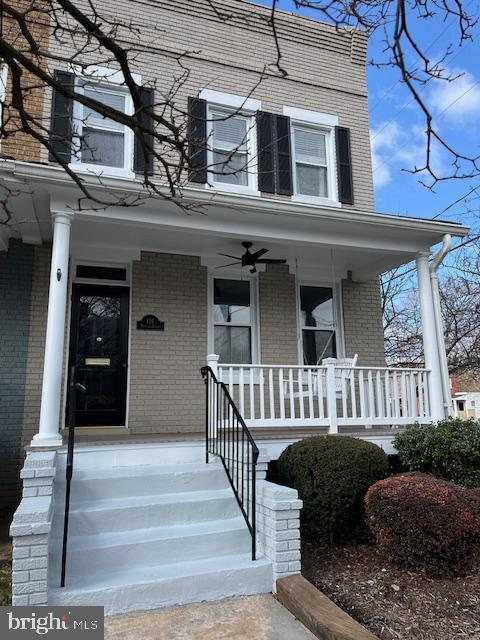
{"points": [[54, 344], [430, 346]]}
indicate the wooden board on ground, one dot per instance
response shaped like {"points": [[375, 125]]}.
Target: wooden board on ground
{"points": [[317, 612]]}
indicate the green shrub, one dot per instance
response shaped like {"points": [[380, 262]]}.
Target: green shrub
{"points": [[422, 522], [448, 449], [332, 475]]}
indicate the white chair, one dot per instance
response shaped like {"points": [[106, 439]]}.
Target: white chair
{"points": [[342, 365]]}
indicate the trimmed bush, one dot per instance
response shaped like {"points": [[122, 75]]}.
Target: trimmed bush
{"points": [[424, 523], [448, 449], [332, 475]]}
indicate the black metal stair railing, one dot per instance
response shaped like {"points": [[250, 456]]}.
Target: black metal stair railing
{"points": [[73, 387], [228, 438]]}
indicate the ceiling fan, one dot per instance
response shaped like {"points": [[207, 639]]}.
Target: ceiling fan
{"points": [[250, 259]]}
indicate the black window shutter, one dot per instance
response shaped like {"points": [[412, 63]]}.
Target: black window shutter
{"points": [[145, 142], [265, 152], [61, 123], [197, 139], [344, 165], [283, 162]]}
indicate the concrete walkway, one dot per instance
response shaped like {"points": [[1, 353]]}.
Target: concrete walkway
{"points": [[247, 618]]}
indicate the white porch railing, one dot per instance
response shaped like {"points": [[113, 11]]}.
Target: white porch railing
{"points": [[329, 396]]}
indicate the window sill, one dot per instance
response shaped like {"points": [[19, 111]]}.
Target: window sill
{"points": [[98, 170], [232, 188], [314, 200]]}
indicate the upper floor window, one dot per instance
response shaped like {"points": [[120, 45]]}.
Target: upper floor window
{"points": [[101, 141], [230, 147], [311, 165]]}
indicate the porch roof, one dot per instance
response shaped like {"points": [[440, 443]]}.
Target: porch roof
{"points": [[312, 238]]}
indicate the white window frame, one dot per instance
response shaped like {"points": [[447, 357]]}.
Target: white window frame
{"points": [[338, 310], [254, 307], [109, 84], [238, 106], [320, 123]]}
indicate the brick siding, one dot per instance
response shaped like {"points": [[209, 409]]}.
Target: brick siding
{"points": [[15, 290], [362, 318], [278, 316]]}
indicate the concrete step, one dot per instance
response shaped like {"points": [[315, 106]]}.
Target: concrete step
{"points": [[166, 585], [147, 480], [120, 514], [137, 548]]}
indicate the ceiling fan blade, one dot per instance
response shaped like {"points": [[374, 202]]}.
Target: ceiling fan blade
{"points": [[259, 253], [227, 255], [230, 264], [270, 261]]}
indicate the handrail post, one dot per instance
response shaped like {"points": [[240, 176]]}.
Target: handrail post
{"points": [[212, 362], [331, 394], [254, 508]]}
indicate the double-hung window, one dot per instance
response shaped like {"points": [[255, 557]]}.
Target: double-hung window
{"points": [[317, 318], [230, 144], [233, 320], [101, 141], [311, 162]]}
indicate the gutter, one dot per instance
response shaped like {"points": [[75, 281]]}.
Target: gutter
{"points": [[439, 328]]}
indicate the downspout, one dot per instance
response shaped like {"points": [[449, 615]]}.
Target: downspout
{"points": [[442, 356]]}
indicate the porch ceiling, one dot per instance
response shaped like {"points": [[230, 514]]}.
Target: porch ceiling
{"points": [[315, 240]]}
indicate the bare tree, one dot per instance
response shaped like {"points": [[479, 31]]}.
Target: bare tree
{"points": [[82, 34], [395, 23], [460, 303]]}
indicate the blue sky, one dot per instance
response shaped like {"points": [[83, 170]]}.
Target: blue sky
{"points": [[397, 126]]}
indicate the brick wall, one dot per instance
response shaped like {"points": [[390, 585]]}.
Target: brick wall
{"points": [[278, 316], [36, 341], [15, 289], [362, 317], [325, 67], [166, 389], [18, 144]]}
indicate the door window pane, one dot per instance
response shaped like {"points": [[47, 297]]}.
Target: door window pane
{"points": [[231, 301], [318, 345], [233, 344], [232, 319], [318, 324]]}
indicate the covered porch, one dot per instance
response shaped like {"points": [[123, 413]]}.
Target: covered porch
{"points": [[171, 258]]}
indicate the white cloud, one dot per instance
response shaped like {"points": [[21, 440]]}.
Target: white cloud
{"points": [[396, 147], [458, 99]]}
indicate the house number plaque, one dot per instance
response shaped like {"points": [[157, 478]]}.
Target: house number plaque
{"points": [[150, 323]]}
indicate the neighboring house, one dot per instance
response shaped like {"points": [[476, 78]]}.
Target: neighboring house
{"points": [[132, 303], [466, 396]]}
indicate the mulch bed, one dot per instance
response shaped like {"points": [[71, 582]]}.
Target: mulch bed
{"points": [[392, 603]]}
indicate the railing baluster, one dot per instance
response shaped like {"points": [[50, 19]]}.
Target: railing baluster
{"points": [[379, 391], [321, 387], [371, 395], [311, 414], [344, 394], [300, 395], [261, 390], [361, 388], [353, 395], [241, 392], [271, 393], [290, 393], [252, 395], [281, 393]]}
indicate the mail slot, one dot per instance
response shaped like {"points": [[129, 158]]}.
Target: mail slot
{"points": [[97, 362]]}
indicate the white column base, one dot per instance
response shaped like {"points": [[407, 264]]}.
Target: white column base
{"points": [[40, 440]]}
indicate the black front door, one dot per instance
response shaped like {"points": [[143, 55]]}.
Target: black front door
{"points": [[99, 352]]}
